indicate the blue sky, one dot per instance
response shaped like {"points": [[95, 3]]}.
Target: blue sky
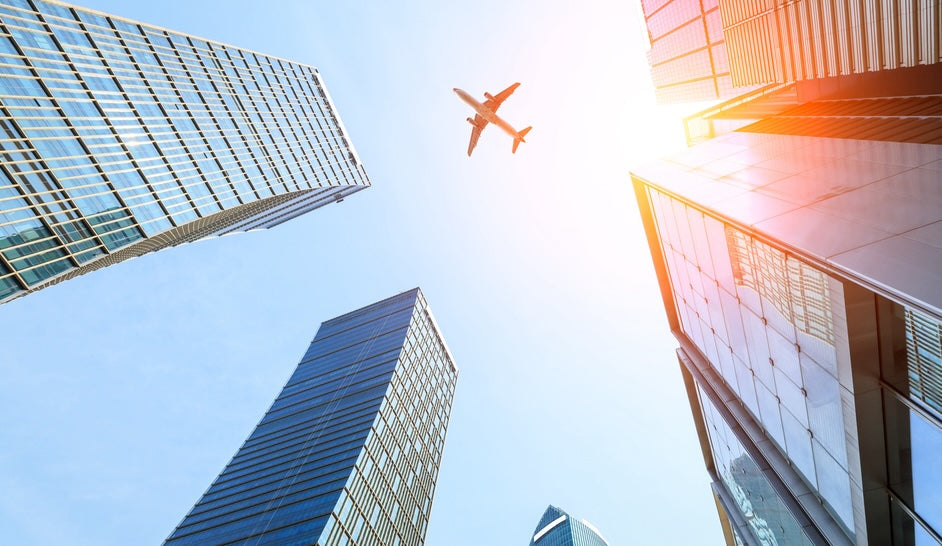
{"points": [[127, 390]]}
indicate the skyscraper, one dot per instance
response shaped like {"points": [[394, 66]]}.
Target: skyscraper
{"points": [[800, 67], [119, 138], [557, 528], [784, 41], [800, 259], [715, 49], [801, 278], [349, 452], [688, 51]]}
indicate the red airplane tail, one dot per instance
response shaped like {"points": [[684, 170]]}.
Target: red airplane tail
{"points": [[519, 138]]}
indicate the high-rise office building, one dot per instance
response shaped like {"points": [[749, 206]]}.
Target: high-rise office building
{"points": [[800, 260], [843, 70], [801, 277], [688, 52], [557, 528], [792, 40], [349, 452], [715, 49], [119, 138]]}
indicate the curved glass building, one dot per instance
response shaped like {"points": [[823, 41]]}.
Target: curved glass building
{"points": [[557, 528]]}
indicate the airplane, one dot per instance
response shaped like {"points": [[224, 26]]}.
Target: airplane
{"points": [[487, 113]]}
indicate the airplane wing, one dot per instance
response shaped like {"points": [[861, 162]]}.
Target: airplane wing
{"points": [[493, 103], [479, 124]]}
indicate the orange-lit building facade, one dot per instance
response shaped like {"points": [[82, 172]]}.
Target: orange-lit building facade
{"points": [[688, 54], [798, 246], [704, 50], [801, 279], [793, 40]]}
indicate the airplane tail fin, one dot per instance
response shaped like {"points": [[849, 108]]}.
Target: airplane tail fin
{"points": [[519, 138]]}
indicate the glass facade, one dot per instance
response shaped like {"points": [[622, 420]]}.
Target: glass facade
{"points": [[764, 320], [799, 261], [118, 138], [800, 275], [557, 528], [688, 52], [915, 368], [791, 40], [768, 519], [911, 365], [349, 452]]}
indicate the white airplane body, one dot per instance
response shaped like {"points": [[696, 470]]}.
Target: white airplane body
{"points": [[487, 113]]}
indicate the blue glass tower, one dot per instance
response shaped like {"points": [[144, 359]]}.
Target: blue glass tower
{"points": [[119, 138], [349, 452], [557, 528]]}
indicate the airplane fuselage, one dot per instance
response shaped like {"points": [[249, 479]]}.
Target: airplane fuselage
{"points": [[486, 112]]}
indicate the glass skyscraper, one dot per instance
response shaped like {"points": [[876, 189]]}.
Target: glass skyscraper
{"points": [[688, 52], [707, 49], [801, 278], [789, 40], [557, 528], [119, 138], [800, 263], [349, 452]]}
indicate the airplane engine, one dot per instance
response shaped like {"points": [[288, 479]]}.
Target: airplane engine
{"points": [[471, 121], [488, 96]]}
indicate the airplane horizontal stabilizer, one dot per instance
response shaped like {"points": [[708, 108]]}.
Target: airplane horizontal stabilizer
{"points": [[519, 138]]}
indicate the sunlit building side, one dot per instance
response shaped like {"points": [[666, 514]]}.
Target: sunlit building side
{"points": [[688, 52], [865, 69], [349, 452], [703, 50], [785, 41], [119, 138], [800, 276], [557, 528], [798, 245]]}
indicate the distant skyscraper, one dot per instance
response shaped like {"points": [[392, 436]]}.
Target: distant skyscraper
{"points": [[349, 452], [119, 138], [557, 528]]}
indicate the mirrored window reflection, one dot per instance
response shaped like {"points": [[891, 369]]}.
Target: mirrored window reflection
{"points": [[737, 540], [833, 484], [793, 294], [911, 362], [765, 321], [823, 400], [8, 284], [914, 362], [908, 532], [769, 519], [914, 443]]}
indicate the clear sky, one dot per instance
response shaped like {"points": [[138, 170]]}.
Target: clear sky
{"points": [[127, 390]]}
